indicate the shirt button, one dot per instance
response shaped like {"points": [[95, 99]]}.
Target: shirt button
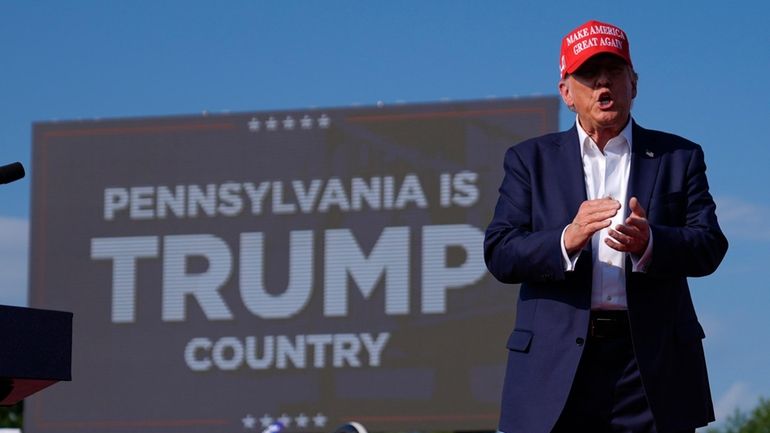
{"points": [[579, 341]]}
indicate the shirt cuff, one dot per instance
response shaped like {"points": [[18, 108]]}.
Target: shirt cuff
{"points": [[570, 262], [640, 263]]}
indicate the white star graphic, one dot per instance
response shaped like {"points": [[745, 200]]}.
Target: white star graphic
{"points": [[254, 124], [249, 422], [319, 420], [306, 122], [271, 124], [289, 122], [285, 420], [266, 420], [302, 420], [324, 121]]}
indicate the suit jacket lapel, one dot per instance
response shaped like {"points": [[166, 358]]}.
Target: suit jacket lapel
{"points": [[570, 175], [572, 170], [645, 161]]}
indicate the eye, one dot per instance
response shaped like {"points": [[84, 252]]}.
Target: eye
{"points": [[587, 72]]}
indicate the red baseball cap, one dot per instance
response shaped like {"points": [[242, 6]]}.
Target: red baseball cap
{"points": [[588, 40]]}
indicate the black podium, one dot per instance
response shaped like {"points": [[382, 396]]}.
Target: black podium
{"points": [[35, 351]]}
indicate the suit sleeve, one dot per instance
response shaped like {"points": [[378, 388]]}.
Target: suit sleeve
{"points": [[514, 250], [697, 248]]}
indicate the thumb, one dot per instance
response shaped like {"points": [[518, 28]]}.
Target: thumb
{"points": [[636, 208]]}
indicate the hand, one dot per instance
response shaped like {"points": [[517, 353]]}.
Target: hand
{"points": [[634, 235], [592, 216]]}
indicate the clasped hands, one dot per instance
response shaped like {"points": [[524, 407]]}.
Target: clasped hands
{"points": [[594, 215]]}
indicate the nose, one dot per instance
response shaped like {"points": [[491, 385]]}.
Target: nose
{"points": [[603, 78]]}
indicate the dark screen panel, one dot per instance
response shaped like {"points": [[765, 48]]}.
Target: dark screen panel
{"points": [[313, 267]]}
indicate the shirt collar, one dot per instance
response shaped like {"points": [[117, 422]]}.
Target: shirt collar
{"points": [[586, 141]]}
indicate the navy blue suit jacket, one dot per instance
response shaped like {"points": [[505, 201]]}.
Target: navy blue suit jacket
{"points": [[540, 194]]}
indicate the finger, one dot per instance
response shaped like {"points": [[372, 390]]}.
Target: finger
{"points": [[616, 245], [636, 208], [595, 213], [598, 216], [599, 202], [631, 241], [628, 230], [640, 224], [596, 226], [602, 203], [635, 233], [627, 246], [589, 229], [622, 238], [578, 234]]}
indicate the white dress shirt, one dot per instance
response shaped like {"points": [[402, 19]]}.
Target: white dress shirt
{"points": [[606, 175]]}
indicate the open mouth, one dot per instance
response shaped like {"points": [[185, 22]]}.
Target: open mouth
{"points": [[605, 100]]}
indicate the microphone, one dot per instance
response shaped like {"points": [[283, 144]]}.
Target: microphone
{"points": [[11, 172], [274, 427], [351, 427]]}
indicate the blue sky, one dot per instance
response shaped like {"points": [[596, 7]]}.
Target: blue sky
{"points": [[703, 70]]}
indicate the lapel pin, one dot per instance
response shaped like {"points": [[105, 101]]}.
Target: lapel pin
{"points": [[649, 153]]}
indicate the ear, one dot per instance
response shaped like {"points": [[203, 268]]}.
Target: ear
{"points": [[566, 96], [634, 80]]}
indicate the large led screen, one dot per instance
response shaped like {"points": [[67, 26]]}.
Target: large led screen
{"points": [[311, 267]]}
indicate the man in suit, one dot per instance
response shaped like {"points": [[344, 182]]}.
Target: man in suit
{"points": [[602, 225]]}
